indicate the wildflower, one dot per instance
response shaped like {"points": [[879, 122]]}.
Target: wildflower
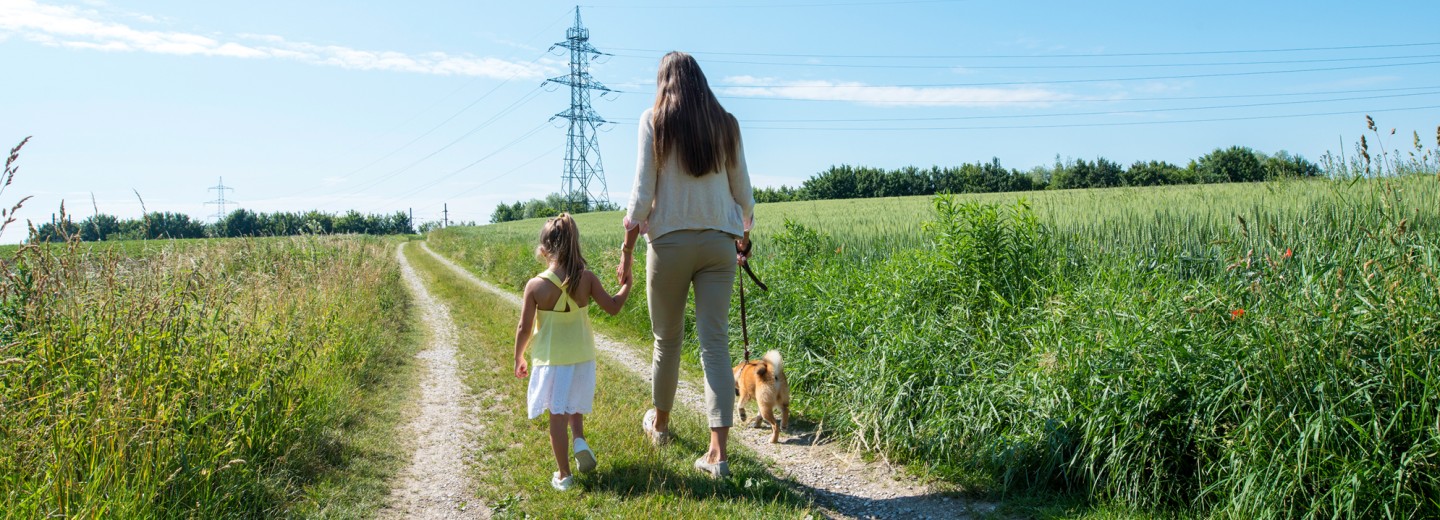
{"points": [[1237, 313], [1287, 255]]}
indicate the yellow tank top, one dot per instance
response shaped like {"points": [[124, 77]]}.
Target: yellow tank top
{"points": [[561, 337]]}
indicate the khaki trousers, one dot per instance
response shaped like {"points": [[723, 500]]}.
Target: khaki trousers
{"points": [[676, 261]]}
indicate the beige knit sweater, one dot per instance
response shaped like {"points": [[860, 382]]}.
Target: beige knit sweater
{"points": [[666, 199]]}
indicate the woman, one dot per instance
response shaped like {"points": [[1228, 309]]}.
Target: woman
{"points": [[693, 202]]}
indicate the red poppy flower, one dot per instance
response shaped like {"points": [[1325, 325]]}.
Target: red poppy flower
{"points": [[1287, 254], [1237, 313]]}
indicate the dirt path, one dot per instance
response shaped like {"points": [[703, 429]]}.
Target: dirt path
{"points": [[442, 432], [842, 480]]}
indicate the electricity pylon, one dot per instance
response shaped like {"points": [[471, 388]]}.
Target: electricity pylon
{"points": [[220, 201], [583, 181]]}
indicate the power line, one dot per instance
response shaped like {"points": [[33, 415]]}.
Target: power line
{"points": [[447, 119], [1069, 81], [1106, 99], [465, 86], [1044, 67], [770, 5], [532, 94], [1113, 98], [440, 124], [1088, 125], [504, 147], [508, 172], [1110, 112], [1045, 56], [503, 112]]}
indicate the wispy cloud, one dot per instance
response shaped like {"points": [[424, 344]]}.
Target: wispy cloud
{"points": [[82, 28], [855, 92]]}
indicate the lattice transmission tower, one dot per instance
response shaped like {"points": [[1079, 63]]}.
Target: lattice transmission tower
{"points": [[220, 201], [583, 181]]}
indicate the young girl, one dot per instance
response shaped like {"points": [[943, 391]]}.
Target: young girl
{"points": [[555, 325]]}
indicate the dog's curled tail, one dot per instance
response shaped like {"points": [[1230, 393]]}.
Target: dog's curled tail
{"points": [[773, 357]]}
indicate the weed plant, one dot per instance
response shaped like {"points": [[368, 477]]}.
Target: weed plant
{"points": [[213, 380]]}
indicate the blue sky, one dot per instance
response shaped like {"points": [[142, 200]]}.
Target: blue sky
{"points": [[386, 106]]}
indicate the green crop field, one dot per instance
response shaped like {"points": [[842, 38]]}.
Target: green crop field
{"points": [[161, 379], [1238, 350]]}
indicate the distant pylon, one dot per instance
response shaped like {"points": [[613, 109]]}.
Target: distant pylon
{"points": [[583, 181], [220, 201]]}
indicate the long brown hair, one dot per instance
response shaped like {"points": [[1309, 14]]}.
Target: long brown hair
{"points": [[689, 120], [560, 243]]}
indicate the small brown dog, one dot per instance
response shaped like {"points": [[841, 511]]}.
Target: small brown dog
{"points": [[763, 381]]}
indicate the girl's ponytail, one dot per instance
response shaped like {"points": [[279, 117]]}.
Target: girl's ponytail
{"points": [[560, 243]]}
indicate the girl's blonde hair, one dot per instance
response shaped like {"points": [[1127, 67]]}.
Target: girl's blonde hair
{"points": [[689, 120], [560, 243]]}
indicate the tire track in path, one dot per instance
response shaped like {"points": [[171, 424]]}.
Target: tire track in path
{"points": [[434, 485], [844, 481]]}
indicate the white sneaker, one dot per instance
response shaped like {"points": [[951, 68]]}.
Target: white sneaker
{"points": [[584, 457], [562, 484], [647, 424], [717, 470]]}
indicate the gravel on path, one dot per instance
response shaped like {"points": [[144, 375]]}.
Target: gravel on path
{"points": [[442, 432]]}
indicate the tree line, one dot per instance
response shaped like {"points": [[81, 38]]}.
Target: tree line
{"points": [[1234, 164], [239, 223], [553, 204]]}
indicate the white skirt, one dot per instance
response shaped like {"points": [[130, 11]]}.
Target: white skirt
{"points": [[562, 389]]}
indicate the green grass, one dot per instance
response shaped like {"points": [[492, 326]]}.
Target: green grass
{"points": [[367, 453], [249, 378], [633, 479], [131, 248], [1153, 350]]}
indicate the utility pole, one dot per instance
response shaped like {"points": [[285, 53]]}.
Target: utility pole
{"points": [[446, 221], [412, 219], [583, 181], [220, 201]]}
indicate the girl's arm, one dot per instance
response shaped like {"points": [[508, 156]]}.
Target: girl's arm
{"points": [[610, 304], [522, 331]]}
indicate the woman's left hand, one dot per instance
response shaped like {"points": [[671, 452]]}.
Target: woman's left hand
{"points": [[623, 270], [742, 250]]}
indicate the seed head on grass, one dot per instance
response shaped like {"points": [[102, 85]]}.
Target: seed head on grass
{"points": [[1365, 152]]}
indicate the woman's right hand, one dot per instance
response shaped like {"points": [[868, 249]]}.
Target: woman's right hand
{"points": [[522, 368]]}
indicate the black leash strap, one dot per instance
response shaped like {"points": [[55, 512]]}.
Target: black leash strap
{"points": [[744, 328]]}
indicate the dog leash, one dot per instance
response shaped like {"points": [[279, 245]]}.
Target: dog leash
{"points": [[745, 329]]}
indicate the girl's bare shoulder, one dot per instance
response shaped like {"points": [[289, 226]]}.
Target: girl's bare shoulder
{"points": [[535, 284], [542, 291], [589, 280]]}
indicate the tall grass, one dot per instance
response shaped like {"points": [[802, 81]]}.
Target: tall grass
{"points": [[1238, 351], [1284, 365], [209, 380]]}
